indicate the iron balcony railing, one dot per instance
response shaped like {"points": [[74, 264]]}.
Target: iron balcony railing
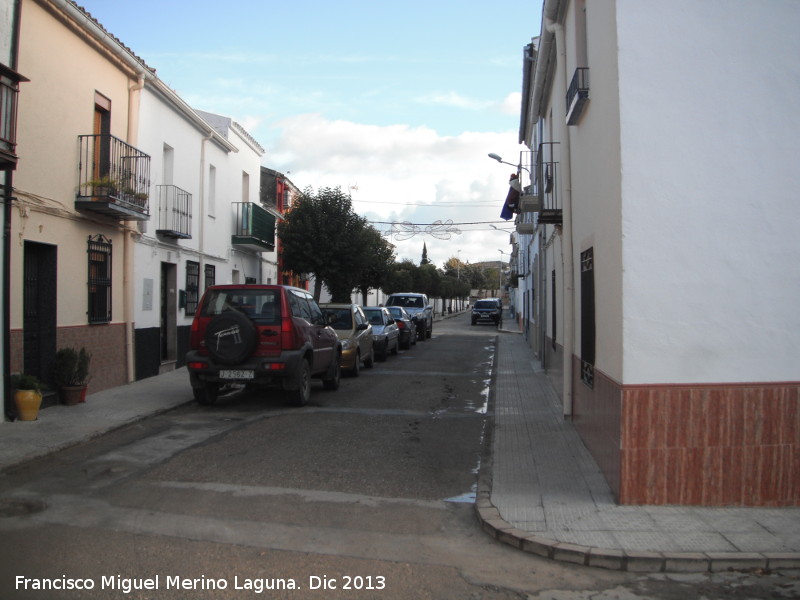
{"points": [[254, 227], [114, 178], [546, 178], [9, 93], [577, 95], [174, 212]]}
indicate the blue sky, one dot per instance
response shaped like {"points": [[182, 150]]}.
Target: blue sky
{"points": [[397, 102]]}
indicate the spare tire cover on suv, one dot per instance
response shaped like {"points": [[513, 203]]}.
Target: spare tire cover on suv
{"points": [[230, 337]]}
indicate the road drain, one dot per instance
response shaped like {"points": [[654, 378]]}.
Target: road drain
{"points": [[468, 498], [19, 507]]}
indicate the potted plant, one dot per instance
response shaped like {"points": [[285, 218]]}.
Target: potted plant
{"points": [[101, 187], [27, 396], [71, 374]]}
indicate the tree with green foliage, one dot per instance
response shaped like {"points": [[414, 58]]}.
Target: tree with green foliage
{"points": [[378, 261], [322, 235], [426, 280], [400, 277]]}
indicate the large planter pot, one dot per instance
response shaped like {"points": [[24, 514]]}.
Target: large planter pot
{"points": [[72, 395], [28, 403]]}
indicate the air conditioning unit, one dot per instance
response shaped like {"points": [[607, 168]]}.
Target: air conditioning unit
{"points": [[530, 203], [525, 228]]}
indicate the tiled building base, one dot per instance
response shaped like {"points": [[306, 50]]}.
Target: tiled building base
{"points": [[106, 344], [706, 445]]}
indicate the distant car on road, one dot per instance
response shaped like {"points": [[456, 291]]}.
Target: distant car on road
{"points": [[354, 331], [406, 325], [487, 310], [261, 334], [384, 331], [420, 309]]}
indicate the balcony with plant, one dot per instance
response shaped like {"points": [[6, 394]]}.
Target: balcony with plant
{"points": [[114, 178]]}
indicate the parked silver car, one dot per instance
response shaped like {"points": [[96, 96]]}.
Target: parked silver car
{"points": [[385, 332]]}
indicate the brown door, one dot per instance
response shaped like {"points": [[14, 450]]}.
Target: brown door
{"points": [[39, 309]]}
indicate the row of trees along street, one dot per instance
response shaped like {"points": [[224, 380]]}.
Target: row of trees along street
{"points": [[323, 236]]}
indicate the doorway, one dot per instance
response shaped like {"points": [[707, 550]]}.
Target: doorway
{"points": [[169, 306], [39, 308]]}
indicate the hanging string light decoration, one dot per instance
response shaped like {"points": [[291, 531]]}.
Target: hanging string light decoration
{"points": [[405, 230]]}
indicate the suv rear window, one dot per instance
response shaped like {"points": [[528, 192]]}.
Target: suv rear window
{"points": [[406, 301], [262, 306], [486, 304]]}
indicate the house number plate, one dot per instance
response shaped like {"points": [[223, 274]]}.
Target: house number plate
{"points": [[236, 374]]}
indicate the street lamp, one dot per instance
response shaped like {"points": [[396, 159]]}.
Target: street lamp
{"points": [[499, 159]]}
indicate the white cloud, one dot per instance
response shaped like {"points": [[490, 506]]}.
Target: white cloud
{"points": [[453, 99], [406, 173], [512, 104]]}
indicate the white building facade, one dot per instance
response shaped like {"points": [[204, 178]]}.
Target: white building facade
{"points": [[206, 175], [662, 247]]}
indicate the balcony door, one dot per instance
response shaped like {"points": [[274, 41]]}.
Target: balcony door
{"points": [[39, 308], [102, 131]]}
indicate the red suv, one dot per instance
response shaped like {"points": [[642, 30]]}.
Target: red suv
{"points": [[261, 334]]}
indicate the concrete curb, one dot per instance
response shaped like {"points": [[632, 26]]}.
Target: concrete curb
{"points": [[619, 560]]}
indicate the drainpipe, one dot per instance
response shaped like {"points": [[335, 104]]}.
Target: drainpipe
{"points": [[567, 254], [134, 104], [128, 231], [201, 237], [7, 191]]}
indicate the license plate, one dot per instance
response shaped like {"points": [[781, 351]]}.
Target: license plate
{"points": [[237, 374]]}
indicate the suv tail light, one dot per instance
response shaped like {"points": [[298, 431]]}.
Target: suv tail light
{"points": [[196, 341], [288, 333], [288, 337], [196, 338]]}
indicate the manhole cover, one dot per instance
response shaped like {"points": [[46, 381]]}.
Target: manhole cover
{"points": [[18, 507]]}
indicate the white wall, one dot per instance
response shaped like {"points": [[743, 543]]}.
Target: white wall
{"points": [[160, 123], [710, 136], [246, 160], [595, 159]]}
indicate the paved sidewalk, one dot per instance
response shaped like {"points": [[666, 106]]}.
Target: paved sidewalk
{"points": [[61, 426], [541, 491]]}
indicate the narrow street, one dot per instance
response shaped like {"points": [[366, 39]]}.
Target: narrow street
{"points": [[366, 492]]}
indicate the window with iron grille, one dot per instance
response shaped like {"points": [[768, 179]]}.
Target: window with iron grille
{"points": [[587, 317], [99, 253], [192, 286], [210, 276]]}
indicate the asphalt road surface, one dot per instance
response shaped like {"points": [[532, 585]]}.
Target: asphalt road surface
{"points": [[365, 493]]}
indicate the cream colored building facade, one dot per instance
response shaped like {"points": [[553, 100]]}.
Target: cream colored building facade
{"points": [[129, 204], [83, 82]]}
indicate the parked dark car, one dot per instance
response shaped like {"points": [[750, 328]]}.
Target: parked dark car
{"points": [[419, 308], [384, 331], [354, 331], [406, 325], [261, 334], [488, 310]]}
